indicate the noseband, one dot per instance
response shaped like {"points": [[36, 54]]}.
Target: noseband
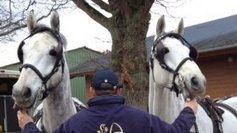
{"points": [[159, 53], [59, 61]]}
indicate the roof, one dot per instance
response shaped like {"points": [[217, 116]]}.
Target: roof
{"points": [[101, 62], [87, 59], [217, 43], [73, 57], [213, 35], [9, 73], [209, 36], [79, 55]]}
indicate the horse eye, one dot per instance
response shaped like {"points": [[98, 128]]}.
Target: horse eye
{"points": [[53, 52], [165, 50]]}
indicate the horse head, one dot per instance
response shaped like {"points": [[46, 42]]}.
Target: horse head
{"points": [[173, 62], [41, 54]]}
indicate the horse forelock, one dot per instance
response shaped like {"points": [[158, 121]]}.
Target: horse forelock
{"points": [[59, 36], [63, 39]]}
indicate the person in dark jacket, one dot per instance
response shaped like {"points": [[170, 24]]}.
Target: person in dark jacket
{"points": [[106, 113]]}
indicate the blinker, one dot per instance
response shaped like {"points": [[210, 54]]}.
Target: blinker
{"points": [[161, 51]]}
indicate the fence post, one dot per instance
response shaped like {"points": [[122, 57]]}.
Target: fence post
{"points": [[5, 113]]}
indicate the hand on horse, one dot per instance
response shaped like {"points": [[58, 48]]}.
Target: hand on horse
{"points": [[23, 118], [192, 104]]}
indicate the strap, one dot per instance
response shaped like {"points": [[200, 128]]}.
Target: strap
{"points": [[214, 112], [175, 74], [227, 107], [196, 128]]}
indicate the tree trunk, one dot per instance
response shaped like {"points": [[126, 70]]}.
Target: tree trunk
{"points": [[129, 58], [128, 27]]}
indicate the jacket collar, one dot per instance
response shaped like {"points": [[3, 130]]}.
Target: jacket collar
{"points": [[102, 100]]}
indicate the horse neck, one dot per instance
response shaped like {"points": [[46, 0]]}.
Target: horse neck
{"points": [[58, 106], [168, 104]]}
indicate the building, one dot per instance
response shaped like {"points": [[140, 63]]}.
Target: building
{"points": [[216, 42], [88, 69], [9, 75], [73, 58], [8, 120]]}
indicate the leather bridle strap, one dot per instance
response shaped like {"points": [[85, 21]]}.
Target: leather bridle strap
{"points": [[47, 77], [59, 60], [175, 74], [164, 65]]}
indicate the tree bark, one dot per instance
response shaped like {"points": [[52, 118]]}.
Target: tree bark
{"points": [[128, 27], [129, 57]]}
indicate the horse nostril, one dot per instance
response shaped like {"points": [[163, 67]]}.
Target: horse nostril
{"points": [[194, 81], [27, 92]]}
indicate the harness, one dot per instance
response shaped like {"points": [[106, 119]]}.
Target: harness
{"points": [[39, 114], [211, 108], [44, 91], [159, 51], [214, 112], [225, 106]]}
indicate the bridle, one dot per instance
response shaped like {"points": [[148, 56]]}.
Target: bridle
{"points": [[158, 52], [44, 91]]}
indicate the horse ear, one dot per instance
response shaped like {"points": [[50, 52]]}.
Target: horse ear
{"points": [[180, 29], [160, 26], [54, 21], [31, 21]]}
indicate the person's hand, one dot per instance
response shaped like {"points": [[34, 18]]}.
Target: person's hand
{"points": [[23, 118], [192, 104]]}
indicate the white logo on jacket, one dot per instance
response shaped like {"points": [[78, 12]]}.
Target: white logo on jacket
{"points": [[114, 128]]}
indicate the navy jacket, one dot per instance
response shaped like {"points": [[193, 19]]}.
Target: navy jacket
{"points": [[108, 114]]}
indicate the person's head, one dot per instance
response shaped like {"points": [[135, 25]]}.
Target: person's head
{"points": [[105, 82]]}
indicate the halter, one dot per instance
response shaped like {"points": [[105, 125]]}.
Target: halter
{"points": [[159, 55], [43, 93]]}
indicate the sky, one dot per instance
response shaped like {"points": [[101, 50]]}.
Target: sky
{"points": [[80, 30]]}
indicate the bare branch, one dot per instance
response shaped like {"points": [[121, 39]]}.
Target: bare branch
{"points": [[93, 13], [102, 5], [11, 24], [12, 14], [10, 10], [13, 29], [54, 7], [166, 5]]}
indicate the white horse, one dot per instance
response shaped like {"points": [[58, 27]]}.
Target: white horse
{"points": [[44, 74], [174, 76]]}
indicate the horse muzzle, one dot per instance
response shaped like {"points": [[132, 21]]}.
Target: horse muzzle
{"points": [[23, 98], [195, 86]]}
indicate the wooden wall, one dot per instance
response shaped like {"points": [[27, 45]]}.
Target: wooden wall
{"points": [[221, 74]]}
